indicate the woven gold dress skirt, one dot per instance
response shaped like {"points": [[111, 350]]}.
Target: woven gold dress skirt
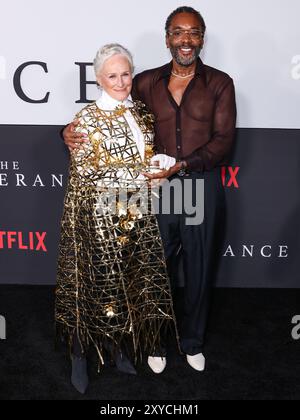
{"points": [[112, 282]]}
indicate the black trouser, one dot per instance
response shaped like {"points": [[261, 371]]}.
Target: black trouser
{"points": [[198, 245]]}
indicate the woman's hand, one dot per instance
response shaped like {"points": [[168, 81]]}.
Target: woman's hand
{"points": [[72, 139], [163, 161]]}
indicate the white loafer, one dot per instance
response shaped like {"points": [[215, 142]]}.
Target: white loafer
{"points": [[157, 364], [197, 361]]}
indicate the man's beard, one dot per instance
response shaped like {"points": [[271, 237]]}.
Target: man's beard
{"points": [[182, 61]]}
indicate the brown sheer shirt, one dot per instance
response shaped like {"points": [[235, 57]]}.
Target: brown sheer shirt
{"points": [[200, 130]]}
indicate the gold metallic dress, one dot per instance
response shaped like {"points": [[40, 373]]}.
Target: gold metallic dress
{"points": [[112, 282]]}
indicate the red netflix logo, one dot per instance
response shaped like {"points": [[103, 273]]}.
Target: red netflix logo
{"points": [[32, 241], [229, 176]]}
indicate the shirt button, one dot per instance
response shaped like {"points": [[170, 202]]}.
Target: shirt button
{"points": [[178, 147], [178, 130]]}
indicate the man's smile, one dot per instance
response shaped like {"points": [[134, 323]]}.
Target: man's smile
{"points": [[186, 50]]}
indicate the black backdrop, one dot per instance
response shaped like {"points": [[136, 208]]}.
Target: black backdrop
{"points": [[262, 243]]}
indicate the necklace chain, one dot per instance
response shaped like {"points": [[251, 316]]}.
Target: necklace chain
{"points": [[182, 77]]}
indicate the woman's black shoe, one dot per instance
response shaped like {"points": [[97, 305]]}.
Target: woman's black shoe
{"points": [[79, 378]]}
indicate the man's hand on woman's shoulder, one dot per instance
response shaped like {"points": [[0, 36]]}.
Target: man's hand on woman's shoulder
{"points": [[73, 139]]}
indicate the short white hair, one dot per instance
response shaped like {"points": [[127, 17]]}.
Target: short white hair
{"points": [[108, 51]]}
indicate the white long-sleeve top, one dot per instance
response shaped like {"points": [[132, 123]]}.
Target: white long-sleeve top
{"points": [[107, 103]]}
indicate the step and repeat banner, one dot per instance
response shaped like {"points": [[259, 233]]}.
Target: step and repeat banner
{"points": [[46, 76]]}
